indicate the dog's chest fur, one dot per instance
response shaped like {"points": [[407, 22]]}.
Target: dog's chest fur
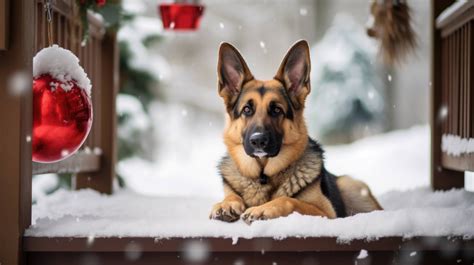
{"points": [[288, 182]]}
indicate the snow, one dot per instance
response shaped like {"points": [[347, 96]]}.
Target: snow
{"points": [[184, 158], [457, 5], [42, 184], [346, 91], [418, 212], [469, 181], [395, 165], [303, 11], [395, 160], [196, 251], [129, 105], [363, 254], [134, 33], [62, 65], [455, 145]]}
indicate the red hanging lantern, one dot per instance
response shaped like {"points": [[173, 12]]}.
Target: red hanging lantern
{"points": [[183, 15], [62, 108]]}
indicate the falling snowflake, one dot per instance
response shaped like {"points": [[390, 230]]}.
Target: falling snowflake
{"points": [[90, 240], [97, 151], [370, 94], [303, 11], [262, 45], [239, 262], [221, 25], [64, 153], [19, 83], [196, 251], [389, 77], [442, 113], [133, 251]]}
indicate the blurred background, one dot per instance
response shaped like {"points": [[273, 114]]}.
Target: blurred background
{"points": [[171, 118]]}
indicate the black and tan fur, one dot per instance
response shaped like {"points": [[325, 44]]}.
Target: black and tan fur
{"points": [[290, 175]]}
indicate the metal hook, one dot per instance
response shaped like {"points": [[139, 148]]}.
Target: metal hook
{"points": [[48, 8], [49, 16]]}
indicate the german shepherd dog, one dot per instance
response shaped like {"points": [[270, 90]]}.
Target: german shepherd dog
{"points": [[272, 168]]}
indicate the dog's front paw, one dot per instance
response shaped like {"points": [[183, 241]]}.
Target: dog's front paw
{"points": [[227, 210], [261, 212], [270, 210]]}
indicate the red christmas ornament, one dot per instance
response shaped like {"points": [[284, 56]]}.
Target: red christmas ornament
{"points": [[100, 2], [181, 16], [62, 109]]}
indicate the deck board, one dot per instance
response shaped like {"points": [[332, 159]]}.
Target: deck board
{"points": [[322, 250], [114, 244]]}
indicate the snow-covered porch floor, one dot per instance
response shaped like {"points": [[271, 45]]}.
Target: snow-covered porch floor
{"points": [[86, 213], [395, 165], [152, 217], [84, 227]]}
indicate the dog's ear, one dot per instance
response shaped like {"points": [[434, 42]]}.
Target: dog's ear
{"points": [[232, 71], [294, 73]]}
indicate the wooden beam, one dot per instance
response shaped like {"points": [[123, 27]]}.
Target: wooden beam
{"points": [[79, 162], [16, 119], [324, 250], [150, 244], [102, 180], [4, 23], [463, 162], [441, 178]]}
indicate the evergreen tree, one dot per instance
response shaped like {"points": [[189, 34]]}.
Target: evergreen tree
{"points": [[347, 98]]}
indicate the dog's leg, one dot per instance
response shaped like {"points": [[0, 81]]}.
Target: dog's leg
{"points": [[230, 209], [279, 207]]}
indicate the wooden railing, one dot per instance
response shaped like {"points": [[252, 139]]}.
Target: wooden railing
{"points": [[457, 84], [22, 34], [4, 6], [453, 94], [93, 164]]}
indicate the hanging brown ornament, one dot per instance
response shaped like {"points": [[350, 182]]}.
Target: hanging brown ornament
{"points": [[391, 25]]}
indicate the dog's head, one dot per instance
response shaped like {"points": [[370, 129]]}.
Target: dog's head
{"points": [[264, 117]]}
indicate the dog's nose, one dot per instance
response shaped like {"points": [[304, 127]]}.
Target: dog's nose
{"points": [[259, 140]]}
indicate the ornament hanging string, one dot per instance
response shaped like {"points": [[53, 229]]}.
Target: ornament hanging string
{"points": [[49, 17]]}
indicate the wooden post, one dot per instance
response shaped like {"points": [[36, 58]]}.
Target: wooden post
{"points": [[15, 132], [102, 180], [441, 178], [4, 25]]}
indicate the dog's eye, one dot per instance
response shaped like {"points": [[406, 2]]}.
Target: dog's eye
{"points": [[276, 111], [247, 111]]}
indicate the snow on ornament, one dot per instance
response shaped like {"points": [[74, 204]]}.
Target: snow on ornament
{"points": [[62, 108]]}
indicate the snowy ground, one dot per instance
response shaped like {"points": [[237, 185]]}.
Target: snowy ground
{"points": [[87, 213], [395, 165]]}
